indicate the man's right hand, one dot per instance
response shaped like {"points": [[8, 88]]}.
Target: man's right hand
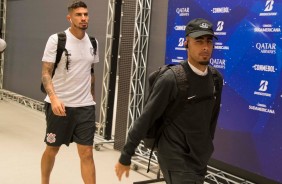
{"points": [[58, 107]]}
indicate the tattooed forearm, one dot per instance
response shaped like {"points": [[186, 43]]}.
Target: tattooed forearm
{"points": [[47, 69]]}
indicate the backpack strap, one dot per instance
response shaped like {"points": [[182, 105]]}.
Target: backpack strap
{"points": [[60, 49], [153, 77], [94, 44], [181, 76], [174, 107], [217, 80]]}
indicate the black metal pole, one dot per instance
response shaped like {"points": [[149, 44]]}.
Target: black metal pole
{"points": [[113, 70]]}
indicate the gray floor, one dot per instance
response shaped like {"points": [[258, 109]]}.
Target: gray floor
{"points": [[21, 147]]}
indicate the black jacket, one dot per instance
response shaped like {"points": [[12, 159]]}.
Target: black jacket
{"points": [[186, 144]]}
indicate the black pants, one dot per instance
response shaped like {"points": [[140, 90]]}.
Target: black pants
{"points": [[179, 176]]}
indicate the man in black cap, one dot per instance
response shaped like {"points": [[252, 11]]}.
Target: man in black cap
{"points": [[186, 144]]}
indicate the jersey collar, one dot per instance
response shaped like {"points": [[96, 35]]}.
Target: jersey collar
{"points": [[197, 71]]}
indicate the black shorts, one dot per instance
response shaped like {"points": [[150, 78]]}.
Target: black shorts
{"points": [[78, 126]]}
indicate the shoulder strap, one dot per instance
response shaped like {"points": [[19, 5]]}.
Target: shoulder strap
{"points": [[216, 80], [94, 43], [60, 48], [153, 77], [174, 108], [181, 78]]}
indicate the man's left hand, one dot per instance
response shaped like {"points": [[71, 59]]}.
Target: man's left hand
{"points": [[121, 169]]}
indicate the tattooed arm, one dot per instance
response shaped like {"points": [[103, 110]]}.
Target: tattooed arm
{"points": [[57, 106], [47, 69]]}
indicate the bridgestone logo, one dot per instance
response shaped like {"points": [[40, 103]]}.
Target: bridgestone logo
{"points": [[268, 14], [262, 94], [220, 33]]}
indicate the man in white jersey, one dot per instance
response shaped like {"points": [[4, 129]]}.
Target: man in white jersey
{"points": [[70, 105]]}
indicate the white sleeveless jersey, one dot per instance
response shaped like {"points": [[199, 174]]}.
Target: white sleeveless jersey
{"points": [[72, 86]]}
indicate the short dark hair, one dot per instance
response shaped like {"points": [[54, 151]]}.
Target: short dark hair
{"points": [[76, 4]]}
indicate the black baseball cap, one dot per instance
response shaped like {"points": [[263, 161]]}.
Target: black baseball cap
{"points": [[199, 27]]}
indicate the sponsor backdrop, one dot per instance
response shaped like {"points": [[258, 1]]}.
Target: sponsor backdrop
{"points": [[249, 55]]}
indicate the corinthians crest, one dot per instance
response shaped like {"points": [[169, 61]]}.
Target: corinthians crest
{"points": [[51, 138]]}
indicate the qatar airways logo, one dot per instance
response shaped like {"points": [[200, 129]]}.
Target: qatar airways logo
{"points": [[183, 12], [269, 5], [266, 48], [218, 63]]}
